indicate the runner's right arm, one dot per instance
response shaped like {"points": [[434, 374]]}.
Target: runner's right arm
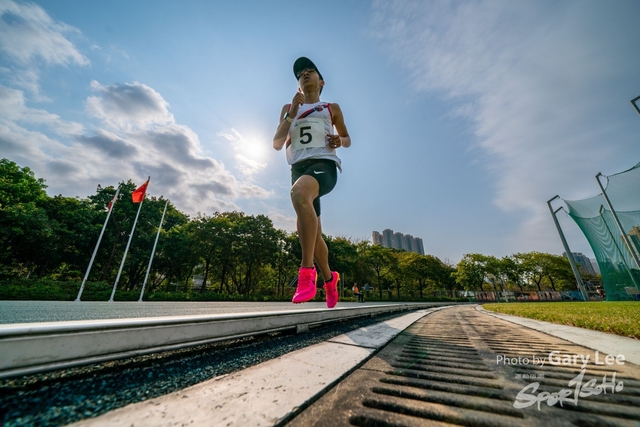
{"points": [[283, 128]]}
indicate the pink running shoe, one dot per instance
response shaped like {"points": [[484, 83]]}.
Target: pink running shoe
{"points": [[331, 288], [306, 289]]}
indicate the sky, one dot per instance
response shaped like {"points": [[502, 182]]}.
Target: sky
{"points": [[465, 116]]}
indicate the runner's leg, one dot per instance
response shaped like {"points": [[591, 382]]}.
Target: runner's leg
{"points": [[303, 192], [321, 253]]}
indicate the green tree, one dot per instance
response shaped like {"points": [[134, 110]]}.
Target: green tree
{"points": [[394, 269], [423, 269], [284, 262], [19, 185], [343, 255], [534, 264], [255, 243], [558, 271], [175, 247], [25, 232], [471, 271], [513, 269], [143, 238], [378, 259], [210, 234], [497, 272], [177, 256], [75, 228]]}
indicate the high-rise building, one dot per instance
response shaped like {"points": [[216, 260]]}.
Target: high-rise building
{"points": [[407, 241], [377, 238], [397, 240], [396, 243], [583, 261], [414, 245], [634, 240], [387, 238], [419, 245]]}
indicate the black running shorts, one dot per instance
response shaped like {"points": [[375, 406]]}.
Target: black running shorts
{"points": [[324, 171]]}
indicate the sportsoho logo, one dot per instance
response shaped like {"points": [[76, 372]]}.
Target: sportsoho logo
{"points": [[529, 395]]}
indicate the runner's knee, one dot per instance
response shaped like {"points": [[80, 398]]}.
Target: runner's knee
{"points": [[303, 192]]}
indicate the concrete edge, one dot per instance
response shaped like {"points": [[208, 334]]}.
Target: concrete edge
{"points": [[289, 385], [594, 340], [68, 344]]}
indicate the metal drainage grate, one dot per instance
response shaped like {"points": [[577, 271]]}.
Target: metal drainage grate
{"points": [[450, 368]]}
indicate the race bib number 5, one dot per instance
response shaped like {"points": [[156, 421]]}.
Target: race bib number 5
{"points": [[307, 133]]}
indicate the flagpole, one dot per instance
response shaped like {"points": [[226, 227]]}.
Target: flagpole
{"points": [[95, 251], [153, 251], [135, 221]]}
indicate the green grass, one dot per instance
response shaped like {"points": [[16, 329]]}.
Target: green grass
{"points": [[620, 318]]}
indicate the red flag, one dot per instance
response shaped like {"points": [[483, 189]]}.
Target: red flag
{"points": [[138, 195], [112, 202]]}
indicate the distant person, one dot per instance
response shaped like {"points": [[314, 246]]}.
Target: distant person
{"points": [[307, 128], [356, 292]]}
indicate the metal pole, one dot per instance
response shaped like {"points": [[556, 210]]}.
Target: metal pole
{"points": [[615, 218], [115, 285], [572, 261], [95, 251], [153, 251], [635, 105]]}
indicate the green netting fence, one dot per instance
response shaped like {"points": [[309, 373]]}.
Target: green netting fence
{"points": [[616, 248]]}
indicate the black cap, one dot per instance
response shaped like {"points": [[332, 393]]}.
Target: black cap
{"points": [[303, 63]]}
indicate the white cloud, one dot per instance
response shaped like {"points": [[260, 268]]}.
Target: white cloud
{"points": [[142, 132], [537, 82], [140, 138], [30, 40], [27, 33], [13, 108], [249, 190], [28, 79], [128, 106], [282, 221], [248, 166], [135, 135], [247, 152]]}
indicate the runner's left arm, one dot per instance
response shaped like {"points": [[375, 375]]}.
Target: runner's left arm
{"points": [[342, 139]]}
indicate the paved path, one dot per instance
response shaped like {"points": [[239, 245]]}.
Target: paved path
{"points": [[454, 365], [595, 340], [462, 367]]}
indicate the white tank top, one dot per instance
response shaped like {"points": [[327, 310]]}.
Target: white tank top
{"points": [[308, 134]]}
